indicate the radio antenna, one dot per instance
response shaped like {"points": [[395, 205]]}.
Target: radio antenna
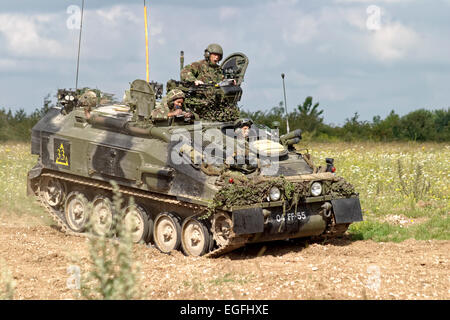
{"points": [[146, 41], [285, 105], [181, 61], [79, 45]]}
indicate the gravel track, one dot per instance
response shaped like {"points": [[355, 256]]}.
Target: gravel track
{"points": [[38, 256]]}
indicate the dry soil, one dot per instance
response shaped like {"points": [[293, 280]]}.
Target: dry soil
{"points": [[39, 256]]}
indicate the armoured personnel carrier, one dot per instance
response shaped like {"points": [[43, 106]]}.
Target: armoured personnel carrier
{"points": [[207, 187]]}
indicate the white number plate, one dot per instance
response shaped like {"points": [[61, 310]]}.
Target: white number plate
{"points": [[290, 216]]}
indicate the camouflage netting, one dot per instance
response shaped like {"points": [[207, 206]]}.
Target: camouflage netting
{"points": [[249, 192], [339, 188], [211, 108], [207, 101], [244, 191]]}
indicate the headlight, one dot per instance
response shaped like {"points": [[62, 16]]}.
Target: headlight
{"points": [[316, 189], [274, 194]]}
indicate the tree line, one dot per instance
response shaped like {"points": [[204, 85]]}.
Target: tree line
{"points": [[17, 126], [418, 125]]}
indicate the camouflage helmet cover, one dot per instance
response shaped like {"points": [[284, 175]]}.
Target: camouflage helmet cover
{"points": [[214, 48], [239, 123], [175, 94], [88, 99]]}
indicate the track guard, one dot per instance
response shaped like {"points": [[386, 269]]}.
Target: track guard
{"points": [[248, 221], [347, 210], [33, 173]]}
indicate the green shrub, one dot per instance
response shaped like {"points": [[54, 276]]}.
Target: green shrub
{"points": [[113, 274], [7, 283]]}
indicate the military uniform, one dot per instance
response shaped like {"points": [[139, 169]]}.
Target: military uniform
{"points": [[161, 111], [208, 101], [202, 70]]}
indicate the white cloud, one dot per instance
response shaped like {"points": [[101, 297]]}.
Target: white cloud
{"points": [[303, 29], [314, 44], [117, 14], [355, 18], [392, 42], [373, 1], [105, 32], [24, 35], [227, 13]]}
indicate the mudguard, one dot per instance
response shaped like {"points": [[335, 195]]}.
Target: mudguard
{"points": [[347, 210], [248, 221], [33, 173]]}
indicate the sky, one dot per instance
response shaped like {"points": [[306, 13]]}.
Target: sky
{"points": [[365, 56]]}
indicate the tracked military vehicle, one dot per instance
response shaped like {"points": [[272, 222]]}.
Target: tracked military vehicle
{"points": [[207, 187]]}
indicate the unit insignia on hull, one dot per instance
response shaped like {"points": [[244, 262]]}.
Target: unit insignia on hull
{"points": [[62, 152]]}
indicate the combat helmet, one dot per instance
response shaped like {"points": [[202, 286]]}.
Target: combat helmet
{"points": [[175, 94], [239, 123], [88, 99], [213, 48]]}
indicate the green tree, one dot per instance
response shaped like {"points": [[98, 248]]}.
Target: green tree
{"points": [[354, 129], [267, 118], [419, 125], [441, 122], [308, 117], [387, 129]]}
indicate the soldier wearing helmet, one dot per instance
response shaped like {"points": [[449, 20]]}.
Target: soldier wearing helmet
{"points": [[88, 100], [242, 127], [207, 70], [241, 159], [171, 106]]}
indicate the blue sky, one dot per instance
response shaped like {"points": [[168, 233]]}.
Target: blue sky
{"points": [[336, 51]]}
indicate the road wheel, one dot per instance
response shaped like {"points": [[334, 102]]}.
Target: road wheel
{"points": [[102, 216], [52, 190], [195, 237], [167, 232], [138, 223], [76, 211], [222, 228]]}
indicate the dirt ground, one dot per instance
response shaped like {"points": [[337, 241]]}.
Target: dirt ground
{"points": [[39, 257]]}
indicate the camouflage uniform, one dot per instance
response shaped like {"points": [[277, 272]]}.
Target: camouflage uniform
{"points": [[208, 102], [202, 70], [162, 109]]}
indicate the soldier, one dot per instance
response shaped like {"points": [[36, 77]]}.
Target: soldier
{"points": [[207, 70], [88, 100], [209, 103], [240, 159], [171, 107], [242, 128]]}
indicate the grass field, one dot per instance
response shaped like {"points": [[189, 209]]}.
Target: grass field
{"points": [[15, 161], [404, 187]]}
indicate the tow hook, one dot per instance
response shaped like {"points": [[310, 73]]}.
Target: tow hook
{"points": [[326, 209]]}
